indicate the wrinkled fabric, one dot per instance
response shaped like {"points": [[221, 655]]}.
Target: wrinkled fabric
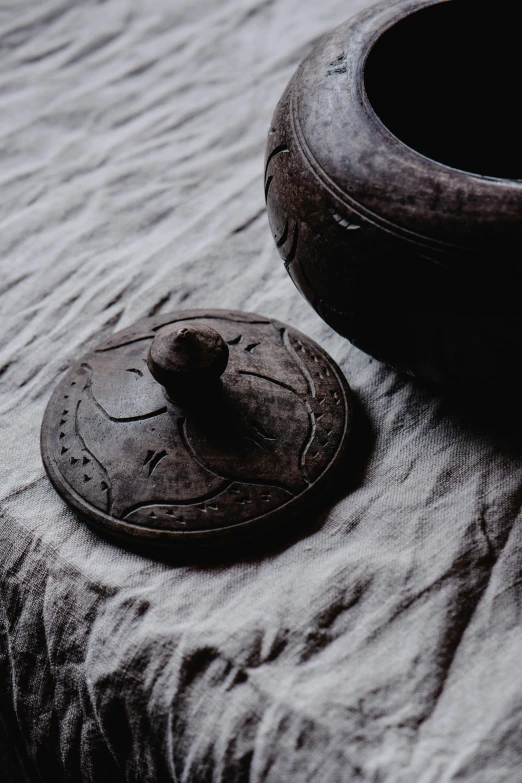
{"points": [[384, 646]]}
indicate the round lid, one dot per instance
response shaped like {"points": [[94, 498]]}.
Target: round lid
{"points": [[196, 426]]}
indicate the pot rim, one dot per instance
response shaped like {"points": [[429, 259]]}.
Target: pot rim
{"points": [[372, 172], [415, 6]]}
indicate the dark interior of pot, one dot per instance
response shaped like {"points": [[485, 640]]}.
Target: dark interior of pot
{"points": [[447, 81]]}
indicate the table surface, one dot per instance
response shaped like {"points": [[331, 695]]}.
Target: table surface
{"points": [[383, 646]]}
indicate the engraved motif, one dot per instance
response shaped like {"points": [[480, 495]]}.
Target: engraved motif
{"points": [[344, 222], [279, 150], [286, 235], [338, 65]]}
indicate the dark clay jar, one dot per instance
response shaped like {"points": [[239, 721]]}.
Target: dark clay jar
{"points": [[394, 185]]}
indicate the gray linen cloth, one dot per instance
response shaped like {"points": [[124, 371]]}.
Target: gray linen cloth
{"points": [[386, 645]]}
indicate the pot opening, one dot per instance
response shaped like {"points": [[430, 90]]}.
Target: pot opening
{"points": [[447, 80]]}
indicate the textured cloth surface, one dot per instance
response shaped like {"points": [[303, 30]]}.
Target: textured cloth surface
{"points": [[383, 647]]}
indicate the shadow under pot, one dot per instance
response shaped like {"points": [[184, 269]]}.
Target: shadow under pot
{"points": [[394, 186]]}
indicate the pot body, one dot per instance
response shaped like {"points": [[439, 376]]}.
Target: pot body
{"points": [[413, 261]]}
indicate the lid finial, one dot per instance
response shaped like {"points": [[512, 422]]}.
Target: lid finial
{"points": [[187, 359]]}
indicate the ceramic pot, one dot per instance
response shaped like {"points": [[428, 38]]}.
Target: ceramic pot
{"points": [[394, 185]]}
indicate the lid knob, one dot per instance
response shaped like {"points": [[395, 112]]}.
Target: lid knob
{"points": [[187, 359]]}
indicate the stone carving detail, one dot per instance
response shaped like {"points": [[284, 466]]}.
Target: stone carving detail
{"points": [[117, 446]]}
